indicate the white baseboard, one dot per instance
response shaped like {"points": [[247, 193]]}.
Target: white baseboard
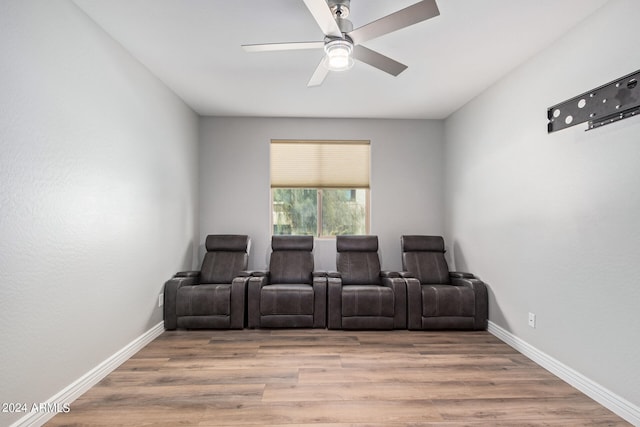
{"points": [[91, 378], [606, 398]]}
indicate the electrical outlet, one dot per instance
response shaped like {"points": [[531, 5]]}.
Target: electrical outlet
{"points": [[532, 320], [160, 300]]}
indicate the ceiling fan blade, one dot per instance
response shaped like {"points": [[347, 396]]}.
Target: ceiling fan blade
{"points": [[267, 47], [378, 60], [323, 16], [403, 18], [318, 75]]}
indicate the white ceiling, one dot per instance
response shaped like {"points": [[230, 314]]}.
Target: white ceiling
{"points": [[193, 46]]}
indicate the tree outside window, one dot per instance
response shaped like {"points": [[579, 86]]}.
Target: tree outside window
{"points": [[342, 211]]}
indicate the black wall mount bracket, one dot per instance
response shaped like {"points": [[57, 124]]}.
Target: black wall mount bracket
{"points": [[614, 101]]}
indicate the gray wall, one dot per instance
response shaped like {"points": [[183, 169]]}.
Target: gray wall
{"points": [[406, 178], [98, 197], [552, 222]]}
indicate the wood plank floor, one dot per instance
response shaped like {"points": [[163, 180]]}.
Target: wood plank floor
{"points": [[332, 378]]}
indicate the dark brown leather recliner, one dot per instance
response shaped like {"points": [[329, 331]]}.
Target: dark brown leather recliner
{"points": [[360, 295], [436, 297], [289, 294], [214, 297]]}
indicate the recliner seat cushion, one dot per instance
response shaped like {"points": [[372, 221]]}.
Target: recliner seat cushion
{"points": [[446, 300], [367, 301], [291, 299], [204, 300]]}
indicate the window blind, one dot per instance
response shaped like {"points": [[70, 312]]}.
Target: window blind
{"points": [[320, 164]]}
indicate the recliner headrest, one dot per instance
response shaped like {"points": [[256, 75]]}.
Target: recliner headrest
{"points": [[422, 244], [227, 242], [357, 243], [292, 243]]}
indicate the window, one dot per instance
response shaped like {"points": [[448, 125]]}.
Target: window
{"points": [[320, 188]]}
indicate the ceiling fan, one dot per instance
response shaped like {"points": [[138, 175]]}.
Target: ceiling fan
{"points": [[342, 44]]}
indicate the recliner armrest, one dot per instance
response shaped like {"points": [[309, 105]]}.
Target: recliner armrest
{"points": [[481, 296], [334, 300], [254, 286], [171, 287], [399, 287], [259, 273], [253, 273], [389, 274], [187, 274], [460, 275], [406, 275], [320, 299]]}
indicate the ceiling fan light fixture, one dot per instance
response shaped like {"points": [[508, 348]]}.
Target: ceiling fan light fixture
{"points": [[339, 55]]}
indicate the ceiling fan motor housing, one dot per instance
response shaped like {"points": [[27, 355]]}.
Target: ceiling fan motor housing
{"points": [[340, 11], [339, 8]]}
